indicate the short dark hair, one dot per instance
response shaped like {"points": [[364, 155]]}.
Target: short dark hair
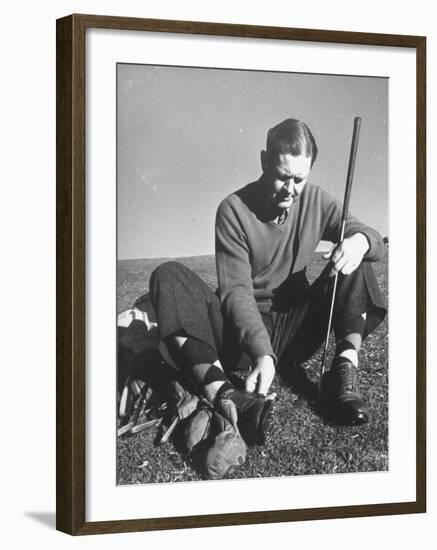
{"points": [[293, 137]]}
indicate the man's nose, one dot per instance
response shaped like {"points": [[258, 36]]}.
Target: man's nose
{"points": [[289, 185]]}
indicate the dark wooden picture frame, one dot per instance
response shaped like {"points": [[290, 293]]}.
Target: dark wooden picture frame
{"points": [[71, 253]]}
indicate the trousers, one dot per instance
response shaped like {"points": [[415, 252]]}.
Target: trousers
{"points": [[184, 304]]}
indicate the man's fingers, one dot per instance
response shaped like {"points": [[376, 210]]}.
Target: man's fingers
{"points": [[349, 268], [264, 382], [343, 259], [328, 254], [271, 396], [346, 267], [334, 271], [257, 382], [264, 386], [250, 384], [340, 263], [337, 255]]}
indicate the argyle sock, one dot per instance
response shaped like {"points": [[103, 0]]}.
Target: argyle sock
{"points": [[200, 362], [349, 339]]}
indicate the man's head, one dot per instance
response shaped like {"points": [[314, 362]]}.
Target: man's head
{"points": [[286, 163]]}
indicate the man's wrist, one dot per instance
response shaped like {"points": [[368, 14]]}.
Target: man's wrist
{"points": [[266, 359]]}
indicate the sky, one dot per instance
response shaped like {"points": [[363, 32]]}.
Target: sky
{"points": [[188, 137]]}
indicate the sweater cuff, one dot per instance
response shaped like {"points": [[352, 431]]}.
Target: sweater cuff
{"points": [[259, 349]]}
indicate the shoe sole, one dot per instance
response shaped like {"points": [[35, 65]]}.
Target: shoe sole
{"points": [[265, 423], [347, 416]]}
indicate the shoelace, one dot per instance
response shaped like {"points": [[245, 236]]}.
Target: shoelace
{"points": [[348, 377]]}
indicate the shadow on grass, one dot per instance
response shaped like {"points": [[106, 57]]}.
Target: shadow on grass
{"points": [[297, 380]]}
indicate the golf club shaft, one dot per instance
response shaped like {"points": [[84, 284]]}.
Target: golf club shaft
{"points": [[345, 213]]}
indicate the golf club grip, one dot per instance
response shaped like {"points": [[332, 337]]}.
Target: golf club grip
{"points": [[351, 166]]}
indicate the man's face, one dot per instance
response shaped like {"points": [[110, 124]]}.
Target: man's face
{"points": [[284, 177]]}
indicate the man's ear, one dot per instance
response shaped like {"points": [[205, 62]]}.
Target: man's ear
{"points": [[263, 157]]}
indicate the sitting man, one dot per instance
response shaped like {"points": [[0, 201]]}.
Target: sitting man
{"points": [[266, 313]]}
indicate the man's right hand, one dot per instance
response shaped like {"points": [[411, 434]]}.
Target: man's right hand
{"points": [[262, 375]]}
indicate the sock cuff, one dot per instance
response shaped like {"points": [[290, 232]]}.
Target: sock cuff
{"points": [[344, 345], [195, 352], [214, 374]]}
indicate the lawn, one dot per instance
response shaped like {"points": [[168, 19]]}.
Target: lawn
{"points": [[301, 442]]}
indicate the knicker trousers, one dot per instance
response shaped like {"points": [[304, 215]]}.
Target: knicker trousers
{"points": [[184, 303]]}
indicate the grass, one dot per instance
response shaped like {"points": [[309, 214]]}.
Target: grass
{"points": [[301, 442]]}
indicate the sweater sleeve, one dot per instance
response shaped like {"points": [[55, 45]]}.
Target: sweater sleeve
{"points": [[332, 212], [235, 284]]}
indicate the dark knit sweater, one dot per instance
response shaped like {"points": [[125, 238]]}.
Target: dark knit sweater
{"points": [[261, 265]]}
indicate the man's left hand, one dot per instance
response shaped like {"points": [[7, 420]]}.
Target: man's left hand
{"points": [[347, 256], [261, 376]]}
